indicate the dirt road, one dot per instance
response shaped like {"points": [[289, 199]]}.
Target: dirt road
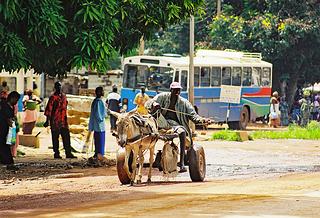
{"points": [[263, 178]]}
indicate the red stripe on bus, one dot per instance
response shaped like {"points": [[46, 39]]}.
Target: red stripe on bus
{"points": [[262, 92]]}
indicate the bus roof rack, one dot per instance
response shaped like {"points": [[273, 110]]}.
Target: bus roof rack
{"points": [[172, 55], [232, 54]]}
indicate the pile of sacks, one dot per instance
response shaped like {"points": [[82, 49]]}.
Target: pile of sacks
{"points": [[78, 119]]}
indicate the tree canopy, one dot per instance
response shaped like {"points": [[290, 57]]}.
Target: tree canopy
{"points": [[286, 32], [52, 36], [175, 39]]}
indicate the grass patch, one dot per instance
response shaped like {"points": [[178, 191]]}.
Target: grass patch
{"points": [[311, 132], [226, 135]]}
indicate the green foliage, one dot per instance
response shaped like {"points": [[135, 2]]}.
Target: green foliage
{"points": [[286, 32], [52, 36], [175, 38], [226, 135], [312, 131], [228, 29]]}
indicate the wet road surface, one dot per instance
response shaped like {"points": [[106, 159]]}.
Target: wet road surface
{"points": [[262, 178]]}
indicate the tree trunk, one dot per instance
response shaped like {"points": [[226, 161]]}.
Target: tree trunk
{"points": [[292, 87], [275, 80]]}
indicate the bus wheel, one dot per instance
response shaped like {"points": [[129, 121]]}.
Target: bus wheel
{"points": [[122, 174], [243, 122], [197, 163]]}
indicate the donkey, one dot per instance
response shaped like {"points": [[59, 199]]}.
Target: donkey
{"points": [[136, 134]]}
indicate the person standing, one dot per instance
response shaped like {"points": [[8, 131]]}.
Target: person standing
{"points": [[30, 113], [97, 123], [316, 106], [284, 112], [140, 99], [306, 108], [274, 110], [56, 113], [7, 118], [113, 104], [4, 90]]}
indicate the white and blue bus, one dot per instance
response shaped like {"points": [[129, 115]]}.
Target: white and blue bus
{"points": [[212, 69]]}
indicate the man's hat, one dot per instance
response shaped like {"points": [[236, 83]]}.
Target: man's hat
{"points": [[175, 85]]}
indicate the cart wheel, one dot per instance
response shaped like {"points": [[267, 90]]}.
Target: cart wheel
{"points": [[197, 163], [122, 174]]}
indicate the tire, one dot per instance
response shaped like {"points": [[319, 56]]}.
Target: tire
{"points": [[197, 163], [122, 174], [243, 121]]}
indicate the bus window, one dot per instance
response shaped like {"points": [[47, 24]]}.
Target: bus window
{"points": [[196, 76], [184, 79], [205, 76], [154, 78], [256, 76], [266, 76], [226, 76], [159, 78], [247, 74], [216, 76], [236, 76], [130, 76], [176, 76]]}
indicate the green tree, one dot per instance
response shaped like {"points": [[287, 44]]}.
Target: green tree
{"points": [[52, 36], [175, 38], [286, 32]]}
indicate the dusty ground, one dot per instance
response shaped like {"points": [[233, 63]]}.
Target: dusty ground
{"points": [[263, 178]]}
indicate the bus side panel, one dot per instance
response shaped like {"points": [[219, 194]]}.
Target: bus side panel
{"points": [[218, 111], [258, 99], [207, 101]]}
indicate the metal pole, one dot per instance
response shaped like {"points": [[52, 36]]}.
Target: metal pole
{"points": [[191, 65], [218, 7], [191, 68]]}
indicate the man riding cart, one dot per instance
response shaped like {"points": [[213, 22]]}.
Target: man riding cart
{"points": [[170, 113], [174, 112]]}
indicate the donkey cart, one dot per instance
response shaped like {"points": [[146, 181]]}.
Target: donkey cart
{"points": [[194, 158]]}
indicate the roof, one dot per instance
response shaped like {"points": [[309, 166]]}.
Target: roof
{"points": [[203, 58]]}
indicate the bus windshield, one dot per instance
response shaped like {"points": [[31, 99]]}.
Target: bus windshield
{"points": [[152, 77]]}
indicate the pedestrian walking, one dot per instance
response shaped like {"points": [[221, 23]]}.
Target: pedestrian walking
{"points": [[140, 99], [56, 113], [284, 112], [113, 104], [97, 123], [7, 129]]}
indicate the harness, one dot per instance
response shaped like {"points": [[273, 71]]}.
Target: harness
{"points": [[141, 123]]}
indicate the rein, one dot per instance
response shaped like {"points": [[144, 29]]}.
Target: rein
{"points": [[167, 109]]}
